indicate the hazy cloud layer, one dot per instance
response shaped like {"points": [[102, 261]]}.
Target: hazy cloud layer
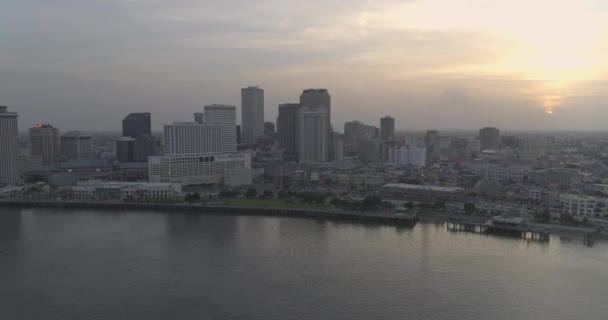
{"points": [[84, 64]]}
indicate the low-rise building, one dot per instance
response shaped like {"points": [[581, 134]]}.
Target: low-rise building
{"points": [[582, 206], [125, 190], [499, 172], [422, 192]]}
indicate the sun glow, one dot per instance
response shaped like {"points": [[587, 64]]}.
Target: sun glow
{"points": [[552, 43]]}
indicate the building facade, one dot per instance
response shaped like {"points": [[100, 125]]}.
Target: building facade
{"points": [[136, 124], [387, 128], [44, 141], [195, 169], [252, 114], [500, 172], [225, 116], [316, 98], [312, 136], [287, 128], [490, 138], [9, 157], [76, 145]]}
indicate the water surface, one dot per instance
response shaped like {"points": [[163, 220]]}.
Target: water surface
{"points": [[87, 264]]}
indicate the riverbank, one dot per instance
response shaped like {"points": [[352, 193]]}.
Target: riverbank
{"points": [[367, 217]]}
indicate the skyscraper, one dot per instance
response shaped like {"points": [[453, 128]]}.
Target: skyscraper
{"points": [[9, 158], [312, 136], [387, 128], [225, 116], [287, 124], [136, 124], [433, 147], [252, 114], [76, 146], [490, 138], [44, 142], [268, 128], [320, 98]]}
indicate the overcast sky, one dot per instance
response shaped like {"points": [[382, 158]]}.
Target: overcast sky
{"points": [[85, 64]]}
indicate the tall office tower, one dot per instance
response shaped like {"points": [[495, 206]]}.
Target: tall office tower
{"points": [[238, 134], [490, 138], [268, 128], [144, 147], [187, 138], [125, 149], [356, 131], [9, 158], [287, 128], [44, 141], [225, 116], [252, 114], [312, 135], [199, 117], [320, 98], [387, 128], [76, 145], [136, 124], [433, 147]]}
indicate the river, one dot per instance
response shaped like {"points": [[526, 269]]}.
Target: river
{"points": [[90, 264]]}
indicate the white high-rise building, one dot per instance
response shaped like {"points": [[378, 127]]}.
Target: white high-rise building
{"points": [[312, 126], [76, 145], [44, 141], [408, 155], [188, 138], [225, 116], [9, 158], [197, 153], [252, 114]]}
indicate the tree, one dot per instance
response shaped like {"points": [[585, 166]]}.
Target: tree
{"points": [[196, 197], [543, 216], [439, 204], [372, 202], [228, 194], [251, 193], [267, 194], [567, 219], [469, 208], [409, 205]]}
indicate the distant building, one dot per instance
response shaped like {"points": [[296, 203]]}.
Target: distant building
{"points": [[338, 142], [252, 114], [196, 169], [199, 117], [355, 131], [387, 128], [433, 147], [144, 147], [76, 145], [315, 98], [369, 151], [238, 134], [268, 128], [125, 149], [490, 138], [9, 157], [312, 134], [136, 124], [500, 172], [287, 128], [408, 155], [44, 141], [190, 138]]}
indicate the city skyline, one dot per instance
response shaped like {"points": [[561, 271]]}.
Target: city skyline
{"points": [[486, 63]]}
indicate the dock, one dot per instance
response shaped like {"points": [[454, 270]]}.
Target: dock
{"points": [[506, 226]]}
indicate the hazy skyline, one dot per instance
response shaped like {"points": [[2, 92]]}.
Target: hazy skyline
{"points": [[86, 64]]}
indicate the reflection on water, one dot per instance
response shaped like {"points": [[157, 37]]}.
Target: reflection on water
{"points": [[82, 264]]}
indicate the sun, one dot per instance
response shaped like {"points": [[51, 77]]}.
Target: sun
{"points": [[549, 112]]}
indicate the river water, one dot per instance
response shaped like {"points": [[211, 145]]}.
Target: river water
{"points": [[87, 264]]}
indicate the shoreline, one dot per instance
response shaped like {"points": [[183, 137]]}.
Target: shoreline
{"points": [[423, 216], [396, 220]]}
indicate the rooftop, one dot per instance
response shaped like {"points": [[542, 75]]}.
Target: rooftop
{"points": [[424, 187]]}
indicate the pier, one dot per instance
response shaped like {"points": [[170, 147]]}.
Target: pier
{"points": [[514, 227]]}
